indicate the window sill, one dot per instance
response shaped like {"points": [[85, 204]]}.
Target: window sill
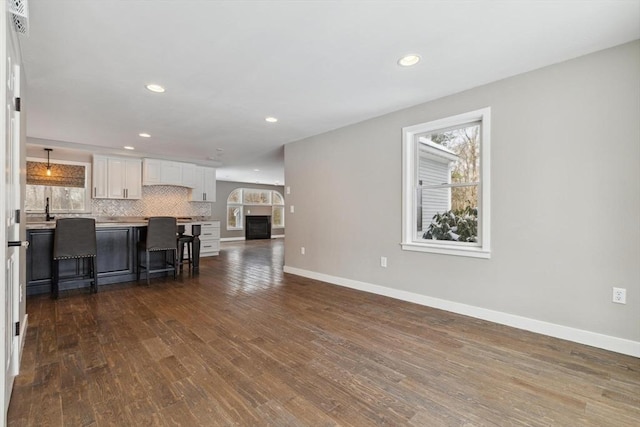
{"points": [[468, 251]]}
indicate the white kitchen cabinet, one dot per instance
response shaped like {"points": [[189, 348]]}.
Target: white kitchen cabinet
{"points": [[171, 173], [124, 177], [166, 172], [189, 174], [210, 238], [205, 185], [116, 178], [100, 181], [151, 172], [133, 173]]}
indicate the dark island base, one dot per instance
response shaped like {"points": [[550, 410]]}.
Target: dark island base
{"points": [[117, 260]]}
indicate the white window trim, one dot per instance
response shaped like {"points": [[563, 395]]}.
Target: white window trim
{"points": [[273, 225], [240, 227], [87, 188], [409, 177], [241, 205]]}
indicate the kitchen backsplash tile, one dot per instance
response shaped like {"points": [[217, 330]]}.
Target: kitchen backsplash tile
{"points": [[156, 200]]}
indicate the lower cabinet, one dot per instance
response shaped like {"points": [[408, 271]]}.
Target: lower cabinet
{"points": [[116, 260], [210, 238]]}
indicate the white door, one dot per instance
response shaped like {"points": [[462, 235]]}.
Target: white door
{"points": [[11, 195]]}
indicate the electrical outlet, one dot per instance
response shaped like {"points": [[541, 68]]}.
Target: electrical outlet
{"points": [[383, 261], [291, 209], [302, 250], [620, 295]]}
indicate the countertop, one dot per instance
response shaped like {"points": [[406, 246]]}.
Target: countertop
{"points": [[113, 222]]}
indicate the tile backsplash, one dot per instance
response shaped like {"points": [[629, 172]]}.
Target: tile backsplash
{"points": [[157, 200]]}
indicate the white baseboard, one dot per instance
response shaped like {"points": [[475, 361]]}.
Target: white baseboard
{"points": [[239, 239], [618, 345], [231, 239]]}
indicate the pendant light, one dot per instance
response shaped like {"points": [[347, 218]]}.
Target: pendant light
{"points": [[48, 150]]}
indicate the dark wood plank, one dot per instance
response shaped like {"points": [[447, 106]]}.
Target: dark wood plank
{"points": [[242, 343]]}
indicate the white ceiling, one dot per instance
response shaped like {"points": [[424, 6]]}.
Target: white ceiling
{"points": [[315, 65]]}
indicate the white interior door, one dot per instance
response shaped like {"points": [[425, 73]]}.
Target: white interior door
{"points": [[12, 203]]}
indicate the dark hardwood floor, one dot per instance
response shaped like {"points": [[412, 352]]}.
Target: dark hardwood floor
{"points": [[244, 344]]}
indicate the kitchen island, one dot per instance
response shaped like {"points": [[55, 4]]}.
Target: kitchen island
{"points": [[117, 261]]}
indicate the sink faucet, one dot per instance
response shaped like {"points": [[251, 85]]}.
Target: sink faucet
{"points": [[46, 210]]}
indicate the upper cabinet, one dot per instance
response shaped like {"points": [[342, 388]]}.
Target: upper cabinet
{"points": [[151, 172], [189, 175], [117, 178], [123, 178], [166, 172], [205, 189], [100, 178]]}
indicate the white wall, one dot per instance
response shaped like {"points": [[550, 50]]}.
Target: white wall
{"points": [[565, 204]]}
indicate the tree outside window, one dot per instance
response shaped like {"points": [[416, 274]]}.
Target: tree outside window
{"points": [[451, 205]]}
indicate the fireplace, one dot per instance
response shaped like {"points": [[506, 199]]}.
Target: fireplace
{"points": [[257, 227]]}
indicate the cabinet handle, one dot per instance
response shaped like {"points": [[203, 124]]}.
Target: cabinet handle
{"points": [[94, 192], [204, 196]]}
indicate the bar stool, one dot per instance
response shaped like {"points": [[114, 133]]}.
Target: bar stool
{"points": [[74, 238], [184, 239], [161, 236]]}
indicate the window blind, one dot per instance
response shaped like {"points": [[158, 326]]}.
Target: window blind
{"points": [[61, 175]]}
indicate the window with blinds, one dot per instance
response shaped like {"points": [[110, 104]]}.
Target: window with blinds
{"points": [[65, 186]]}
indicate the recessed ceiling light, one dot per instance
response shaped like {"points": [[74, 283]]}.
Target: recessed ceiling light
{"points": [[128, 147], [409, 60], [144, 135], [271, 119], [256, 170], [155, 88]]}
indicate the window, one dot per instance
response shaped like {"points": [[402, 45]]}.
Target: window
{"points": [[235, 210], [277, 211], [241, 197], [256, 197], [446, 186], [65, 187]]}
